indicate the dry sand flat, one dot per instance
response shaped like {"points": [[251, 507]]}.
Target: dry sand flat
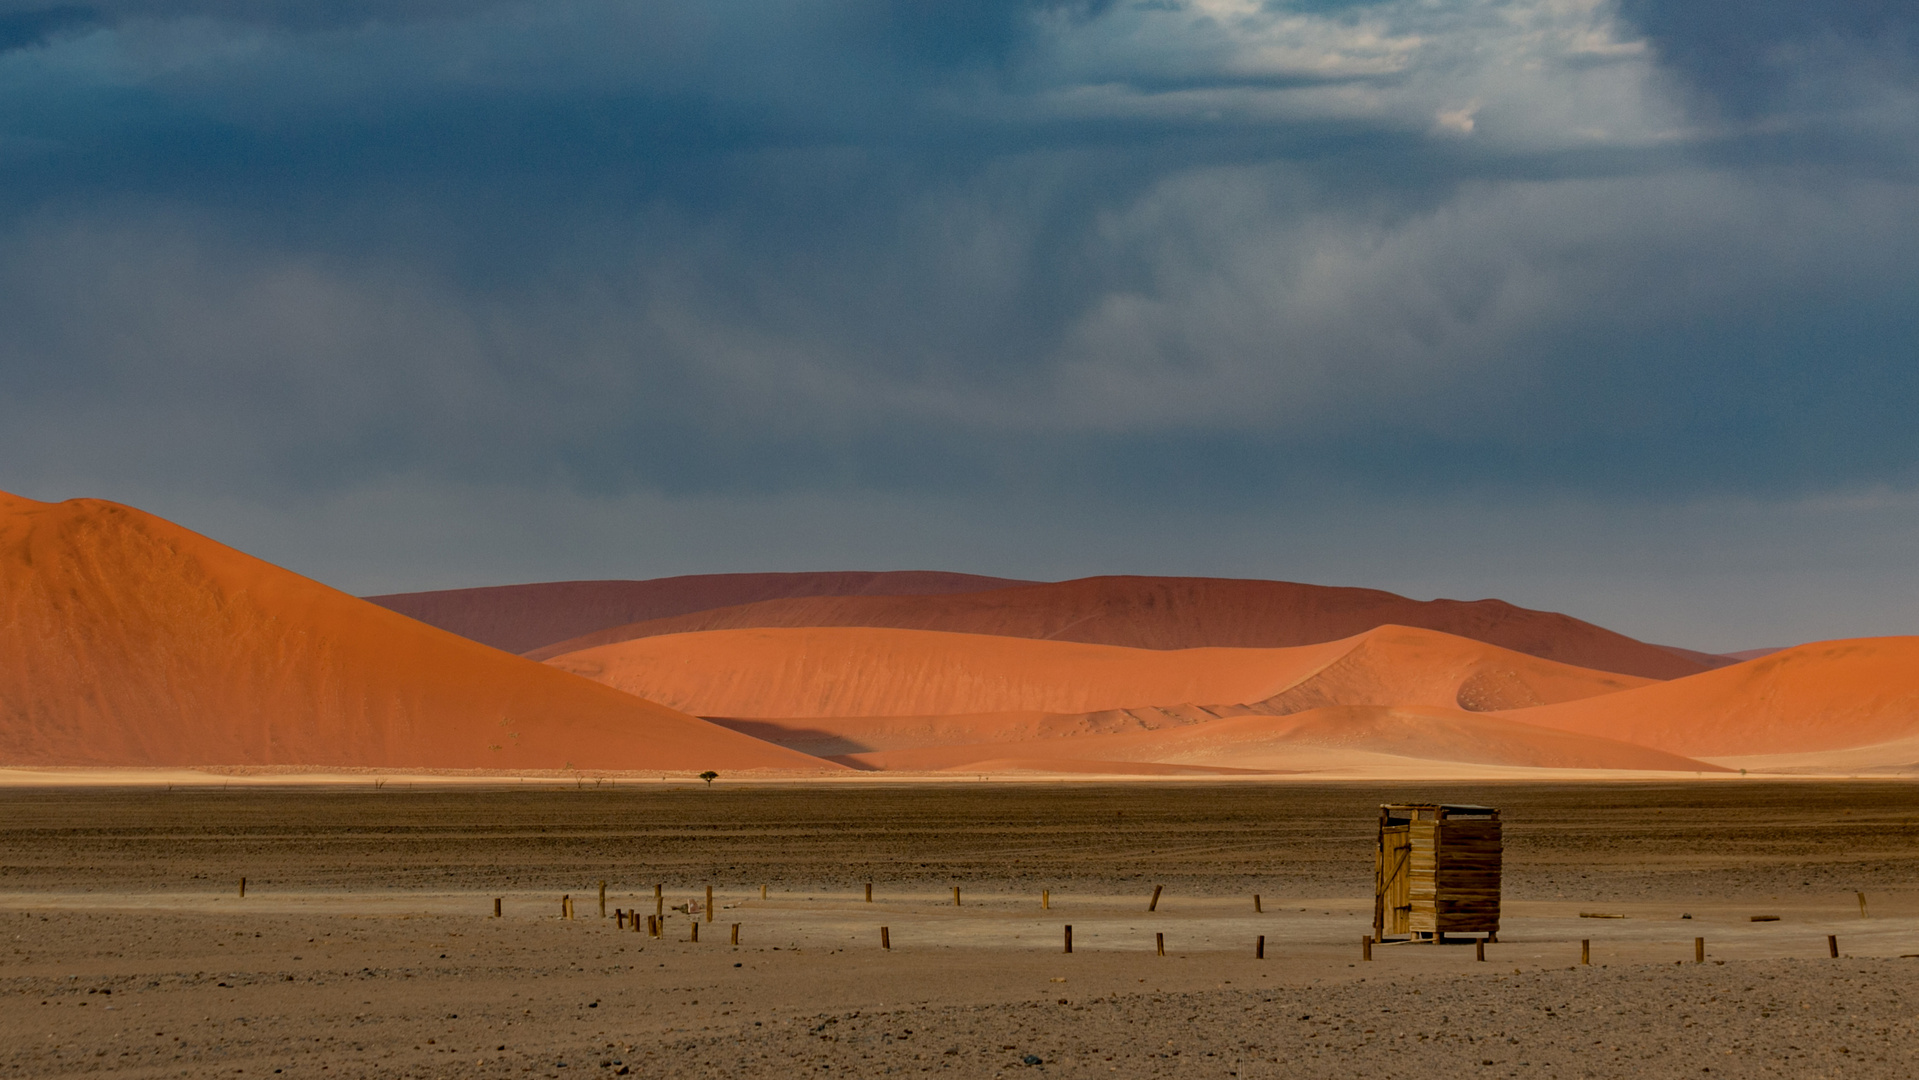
{"points": [[127, 640], [364, 947], [1184, 613], [1810, 700], [1319, 740], [521, 618], [822, 672]]}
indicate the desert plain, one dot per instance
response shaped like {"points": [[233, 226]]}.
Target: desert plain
{"points": [[254, 826], [366, 945]]}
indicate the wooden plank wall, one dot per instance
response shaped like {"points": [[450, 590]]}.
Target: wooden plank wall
{"points": [[1470, 856]]}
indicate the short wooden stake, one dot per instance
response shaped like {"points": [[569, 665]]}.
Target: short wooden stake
{"points": [[869, 892], [659, 901], [1069, 937], [1046, 899], [602, 899], [1153, 904], [956, 902], [619, 919], [709, 903], [1366, 947], [652, 926], [1862, 904], [1832, 945], [633, 917], [496, 907], [1698, 950], [736, 933], [1259, 949], [762, 892], [695, 935], [1159, 943], [1479, 949], [886, 938], [566, 907], [243, 890], [1585, 951], [1256, 908]]}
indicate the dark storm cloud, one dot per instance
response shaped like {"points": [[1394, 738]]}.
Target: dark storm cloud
{"points": [[1192, 254], [1753, 57]]}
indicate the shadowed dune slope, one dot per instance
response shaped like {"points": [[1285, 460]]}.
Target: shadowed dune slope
{"points": [[1706, 661], [521, 618], [1183, 613], [1328, 739], [1829, 695], [865, 671], [126, 640], [1753, 654]]}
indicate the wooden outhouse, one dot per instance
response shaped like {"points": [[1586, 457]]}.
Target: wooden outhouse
{"points": [[1436, 871]]}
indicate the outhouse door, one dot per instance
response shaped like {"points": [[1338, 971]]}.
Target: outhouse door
{"points": [[1394, 896]]}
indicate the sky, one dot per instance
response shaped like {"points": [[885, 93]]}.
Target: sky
{"points": [[1603, 307]]}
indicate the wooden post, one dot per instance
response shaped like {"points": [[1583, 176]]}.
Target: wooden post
{"points": [[496, 907], [886, 939], [869, 892], [1585, 951], [633, 917], [956, 902], [1256, 908], [566, 907], [243, 891], [709, 903], [1046, 899], [1698, 950], [1159, 943], [1479, 949], [1862, 904], [1069, 937], [762, 892], [659, 901], [652, 926], [619, 919], [1366, 947], [1153, 904], [1832, 945], [1259, 949], [736, 933], [695, 924]]}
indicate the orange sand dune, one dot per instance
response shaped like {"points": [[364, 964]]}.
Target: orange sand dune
{"points": [[865, 671], [1830, 695], [126, 640], [521, 618], [1317, 740], [1183, 613]]}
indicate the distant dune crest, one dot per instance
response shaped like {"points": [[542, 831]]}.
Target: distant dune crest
{"points": [[1183, 613]]}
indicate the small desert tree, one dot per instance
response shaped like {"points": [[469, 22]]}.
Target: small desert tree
{"points": [[709, 776]]}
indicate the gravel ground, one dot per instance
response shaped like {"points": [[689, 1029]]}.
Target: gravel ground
{"points": [[365, 945]]}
